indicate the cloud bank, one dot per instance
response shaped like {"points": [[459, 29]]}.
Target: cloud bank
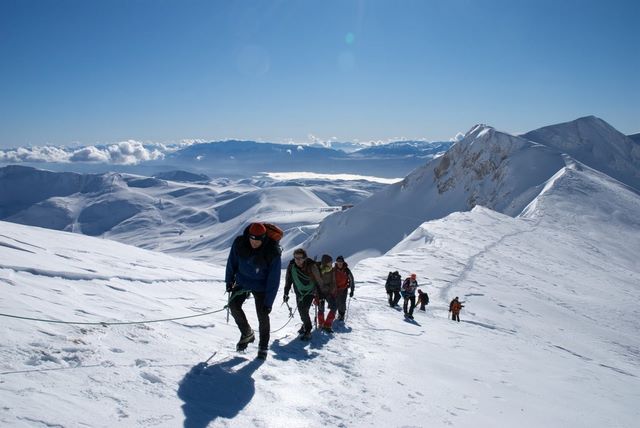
{"points": [[123, 153]]}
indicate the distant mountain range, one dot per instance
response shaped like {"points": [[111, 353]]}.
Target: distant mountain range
{"points": [[249, 157], [234, 158]]}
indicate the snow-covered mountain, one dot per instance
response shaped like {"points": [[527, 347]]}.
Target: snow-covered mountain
{"points": [[548, 334], [182, 176], [192, 219], [594, 142], [490, 168]]}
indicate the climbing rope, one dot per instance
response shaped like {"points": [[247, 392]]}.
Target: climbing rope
{"points": [[108, 323], [291, 314]]}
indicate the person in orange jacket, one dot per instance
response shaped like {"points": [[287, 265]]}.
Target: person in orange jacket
{"points": [[454, 307]]}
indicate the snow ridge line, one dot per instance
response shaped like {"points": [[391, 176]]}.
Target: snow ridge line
{"points": [[90, 277]]}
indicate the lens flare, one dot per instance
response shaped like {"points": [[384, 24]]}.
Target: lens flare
{"points": [[350, 38]]}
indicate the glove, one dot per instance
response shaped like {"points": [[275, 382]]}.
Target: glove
{"points": [[229, 287], [285, 298], [266, 309], [351, 294]]}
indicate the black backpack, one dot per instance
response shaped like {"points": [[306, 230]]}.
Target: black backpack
{"points": [[394, 282]]}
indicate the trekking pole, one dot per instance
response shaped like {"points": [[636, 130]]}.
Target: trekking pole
{"points": [[290, 310], [228, 301], [346, 314], [315, 316]]}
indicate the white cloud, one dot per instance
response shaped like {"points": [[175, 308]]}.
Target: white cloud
{"points": [[131, 152], [35, 154], [459, 136], [89, 154], [320, 142], [126, 153]]}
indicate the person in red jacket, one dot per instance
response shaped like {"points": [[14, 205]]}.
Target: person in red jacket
{"points": [[344, 284], [455, 307]]}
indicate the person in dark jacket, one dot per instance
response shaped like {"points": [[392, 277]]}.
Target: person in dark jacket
{"points": [[392, 286], [409, 287], [423, 300], [253, 267], [344, 284], [304, 276]]}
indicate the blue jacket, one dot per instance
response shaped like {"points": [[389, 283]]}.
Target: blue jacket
{"points": [[255, 272]]}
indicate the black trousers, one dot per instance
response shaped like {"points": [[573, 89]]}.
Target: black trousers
{"points": [[455, 317], [342, 302], [235, 306], [408, 299], [394, 297], [304, 305]]}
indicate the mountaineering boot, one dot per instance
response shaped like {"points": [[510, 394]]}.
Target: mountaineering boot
{"points": [[306, 336], [262, 353], [327, 329], [301, 330], [245, 340]]}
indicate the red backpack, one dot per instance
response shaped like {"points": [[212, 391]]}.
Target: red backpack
{"points": [[274, 232]]}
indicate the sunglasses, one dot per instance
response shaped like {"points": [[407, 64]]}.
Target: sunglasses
{"points": [[256, 237], [299, 258]]}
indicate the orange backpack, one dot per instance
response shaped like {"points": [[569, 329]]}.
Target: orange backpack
{"points": [[274, 232]]}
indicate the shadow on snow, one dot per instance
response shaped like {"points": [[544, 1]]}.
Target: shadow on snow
{"points": [[218, 390]]}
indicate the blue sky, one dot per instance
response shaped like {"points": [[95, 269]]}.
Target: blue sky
{"points": [[92, 72]]}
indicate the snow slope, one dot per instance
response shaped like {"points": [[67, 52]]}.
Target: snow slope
{"points": [[548, 334]]}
